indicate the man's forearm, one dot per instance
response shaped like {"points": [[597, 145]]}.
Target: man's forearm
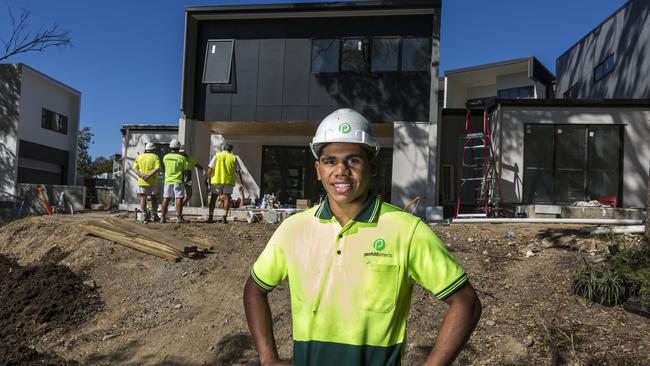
{"points": [[457, 326], [258, 316]]}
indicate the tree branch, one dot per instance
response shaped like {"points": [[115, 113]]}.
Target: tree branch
{"points": [[22, 41]]}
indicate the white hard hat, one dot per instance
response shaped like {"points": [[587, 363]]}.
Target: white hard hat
{"points": [[149, 146], [175, 144], [344, 125]]}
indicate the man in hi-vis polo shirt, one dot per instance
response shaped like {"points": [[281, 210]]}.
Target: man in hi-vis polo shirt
{"points": [[351, 263]]}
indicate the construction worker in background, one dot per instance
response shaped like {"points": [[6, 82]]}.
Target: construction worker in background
{"points": [[187, 175], [175, 164], [224, 172], [146, 167], [351, 263]]}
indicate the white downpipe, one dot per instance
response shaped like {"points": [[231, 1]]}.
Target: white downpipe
{"points": [[548, 221]]}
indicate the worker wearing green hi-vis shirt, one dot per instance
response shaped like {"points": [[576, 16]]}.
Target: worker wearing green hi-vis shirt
{"points": [[351, 263], [175, 164]]}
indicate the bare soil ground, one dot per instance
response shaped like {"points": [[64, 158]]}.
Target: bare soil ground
{"points": [[67, 298]]}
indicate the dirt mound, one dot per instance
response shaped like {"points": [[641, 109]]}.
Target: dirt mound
{"points": [[35, 301], [155, 312]]}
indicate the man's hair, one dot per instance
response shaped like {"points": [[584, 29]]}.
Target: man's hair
{"points": [[227, 147]]}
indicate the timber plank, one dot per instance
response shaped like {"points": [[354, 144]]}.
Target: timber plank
{"points": [[184, 245], [126, 241]]}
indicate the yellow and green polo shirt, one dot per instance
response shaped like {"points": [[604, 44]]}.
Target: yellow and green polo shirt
{"points": [[351, 286], [175, 165], [146, 163]]}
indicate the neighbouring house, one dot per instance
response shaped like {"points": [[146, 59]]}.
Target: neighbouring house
{"points": [[39, 124], [612, 61], [561, 151], [263, 76], [522, 78]]}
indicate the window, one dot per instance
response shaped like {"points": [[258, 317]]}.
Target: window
{"points": [[416, 54], [385, 54], [568, 163], [325, 55], [604, 68], [354, 55], [218, 62], [571, 93], [523, 92], [54, 121]]}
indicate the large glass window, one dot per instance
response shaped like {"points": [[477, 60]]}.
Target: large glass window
{"points": [[325, 55], [354, 55], [54, 121], [568, 163], [385, 54], [523, 92], [416, 54], [604, 68], [218, 62]]}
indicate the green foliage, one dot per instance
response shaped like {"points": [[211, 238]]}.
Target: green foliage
{"points": [[628, 274], [84, 161], [600, 285], [633, 264], [102, 165]]}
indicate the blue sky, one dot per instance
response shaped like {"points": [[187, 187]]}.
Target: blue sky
{"points": [[127, 56]]}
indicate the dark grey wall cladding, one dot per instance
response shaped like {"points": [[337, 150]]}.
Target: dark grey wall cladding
{"points": [[275, 82]]}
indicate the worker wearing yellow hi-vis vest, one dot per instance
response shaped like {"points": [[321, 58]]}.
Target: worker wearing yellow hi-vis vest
{"points": [[224, 172]]}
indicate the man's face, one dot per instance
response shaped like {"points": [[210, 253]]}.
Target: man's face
{"points": [[345, 171]]}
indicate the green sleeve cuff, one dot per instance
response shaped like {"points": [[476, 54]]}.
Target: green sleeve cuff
{"points": [[449, 290], [260, 283]]}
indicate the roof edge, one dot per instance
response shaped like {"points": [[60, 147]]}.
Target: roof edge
{"points": [[489, 65], [50, 79]]}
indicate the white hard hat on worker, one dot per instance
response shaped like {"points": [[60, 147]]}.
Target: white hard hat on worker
{"points": [[344, 125], [175, 144], [149, 146]]}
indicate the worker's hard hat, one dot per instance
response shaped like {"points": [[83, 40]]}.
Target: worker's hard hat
{"points": [[149, 146], [175, 144], [344, 125]]}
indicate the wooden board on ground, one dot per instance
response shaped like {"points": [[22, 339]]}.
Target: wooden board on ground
{"points": [[183, 245], [99, 230]]}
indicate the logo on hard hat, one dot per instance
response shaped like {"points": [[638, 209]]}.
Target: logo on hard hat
{"points": [[345, 128], [379, 245]]}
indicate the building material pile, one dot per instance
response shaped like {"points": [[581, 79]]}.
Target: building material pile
{"points": [[143, 239]]}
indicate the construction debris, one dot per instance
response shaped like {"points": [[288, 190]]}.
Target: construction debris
{"points": [[143, 239]]}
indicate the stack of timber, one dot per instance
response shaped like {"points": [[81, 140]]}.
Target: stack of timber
{"points": [[143, 239]]}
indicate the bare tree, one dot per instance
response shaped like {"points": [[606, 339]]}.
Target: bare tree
{"points": [[21, 40]]}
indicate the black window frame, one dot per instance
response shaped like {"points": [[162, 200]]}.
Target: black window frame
{"points": [[366, 52], [54, 121], [398, 66], [604, 68], [553, 168], [402, 55], [338, 56], [530, 89], [205, 79]]}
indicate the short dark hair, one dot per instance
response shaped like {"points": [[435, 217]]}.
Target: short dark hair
{"points": [[227, 147]]}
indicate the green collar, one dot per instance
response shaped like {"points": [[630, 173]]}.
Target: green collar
{"points": [[369, 212]]}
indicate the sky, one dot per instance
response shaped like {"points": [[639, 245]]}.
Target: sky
{"points": [[127, 56]]}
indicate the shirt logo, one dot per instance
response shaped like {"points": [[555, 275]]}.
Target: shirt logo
{"points": [[379, 245], [345, 128]]}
